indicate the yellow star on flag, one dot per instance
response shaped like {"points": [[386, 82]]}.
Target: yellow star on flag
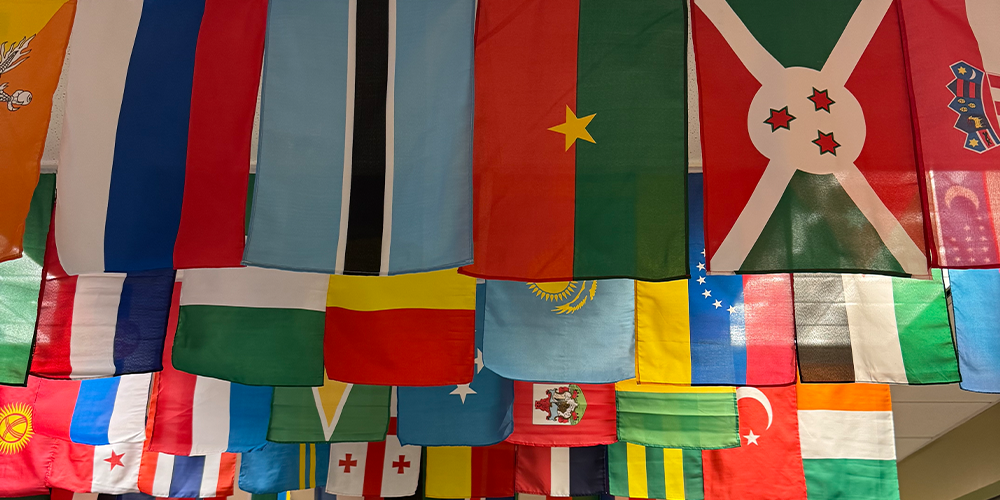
{"points": [[961, 70], [974, 142], [575, 128]]}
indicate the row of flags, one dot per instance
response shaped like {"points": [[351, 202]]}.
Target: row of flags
{"points": [[369, 164], [787, 442]]}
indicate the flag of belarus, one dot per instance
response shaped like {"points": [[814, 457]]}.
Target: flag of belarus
{"points": [[808, 150]]}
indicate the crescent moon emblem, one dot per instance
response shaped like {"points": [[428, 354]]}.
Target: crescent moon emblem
{"points": [[754, 393], [960, 192], [973, 77]]}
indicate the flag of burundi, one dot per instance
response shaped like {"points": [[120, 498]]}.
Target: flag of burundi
{"points": [[636, 471], [867, 328], [810, 165]]}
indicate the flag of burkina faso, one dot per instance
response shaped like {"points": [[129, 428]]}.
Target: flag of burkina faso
{"points": [[807, 138], [579, 155]]}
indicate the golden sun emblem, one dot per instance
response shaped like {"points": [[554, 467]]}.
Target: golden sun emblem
{"points": [[573, 295], [15, 428]]}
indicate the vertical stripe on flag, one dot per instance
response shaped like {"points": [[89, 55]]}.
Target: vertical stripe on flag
{"points": [[770, 329], [95, 320], [127, 420], [561, 482], [374, 466], [210, 413], [92, 413], [390, 138], [663, 332], [673, 472], [346, 183], [449, 474], [871, 316], [164, 470], [638, 465], [210, 476], [823, 349], [186, 476]]}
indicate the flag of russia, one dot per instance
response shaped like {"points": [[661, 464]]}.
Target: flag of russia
{"points": [[94, 412], [155, 148]]}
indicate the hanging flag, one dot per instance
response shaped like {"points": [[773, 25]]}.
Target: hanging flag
{"points": [[252, 326], [700, 418], [33, 43], [560, 472], [24, 455], [20, 281], [636, 471], [566, 414], [334, 412], [808, 185], [281, 467], [714, 330], [366, 160], [382, 469], [149, 176], [417, 329], [95, 412], [954, 77], [470, 471], [194, 415], [768, 464], [100, 325], [848, 446], [209, 476], [575, 330], [479, 413], [580, 143], [866, 328], [111, 469], [973, 294]]}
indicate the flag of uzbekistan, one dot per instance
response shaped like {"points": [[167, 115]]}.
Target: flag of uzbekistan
{"points": [[155, 154], [580, 140]]}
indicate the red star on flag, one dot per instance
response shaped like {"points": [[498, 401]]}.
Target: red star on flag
{"points": [[780, 118], [821, 100], [115, 460], [826, 143]]}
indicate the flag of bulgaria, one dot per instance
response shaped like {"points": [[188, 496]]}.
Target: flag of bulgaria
{"points": [[806, 130], [636, 471], [579, 155], [847, 439], [867, 328]]}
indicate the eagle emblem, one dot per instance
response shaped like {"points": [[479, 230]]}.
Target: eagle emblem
{"points": [[559, 404]]}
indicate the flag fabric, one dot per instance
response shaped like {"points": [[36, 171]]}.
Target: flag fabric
{"points": [[847, 440], [808, 184], [95, 412], [24, 455], [560, 472], [417, 329], [867, 328], [279, 467], [33, 43], [194, 415], [699, 418], [566, 414], [569, 330], [102, 324], [380, 181], [334, 412], [382, 469], [714, 330], [580, 141], [149, 176], [470, 471], [973, 294], [111, 469], [479, 413], [20, 281], [636, 471], [953, 63], [768, 464], [252, 326], [209, 476]]}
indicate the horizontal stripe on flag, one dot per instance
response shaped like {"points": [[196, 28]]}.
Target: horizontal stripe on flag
{"points": [[845, 397], [254, 287], [845, 478], [847, 434], [434, 290]]}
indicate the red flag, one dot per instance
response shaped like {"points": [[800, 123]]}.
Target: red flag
{"points": [[564, 414], [768, 464], [953, 52], [24, 455]]}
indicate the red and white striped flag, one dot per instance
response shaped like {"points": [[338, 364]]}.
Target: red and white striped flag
{"points": [[384, 469]]}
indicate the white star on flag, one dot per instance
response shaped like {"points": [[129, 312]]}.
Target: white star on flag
{"points": [[701, 280], [479, 360], [707, 293], [462, 390], [701, 266], [717, 304], [752, 438], [732, 309]]}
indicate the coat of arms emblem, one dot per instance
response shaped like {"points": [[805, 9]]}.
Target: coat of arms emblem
{"points": [[10, 58], [558, 404]]}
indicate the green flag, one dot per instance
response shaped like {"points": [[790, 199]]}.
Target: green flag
{"points": [[692, 418], [637, 471], [335, 413]]}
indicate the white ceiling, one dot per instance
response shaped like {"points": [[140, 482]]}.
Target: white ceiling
{"points": [[922, 413]]}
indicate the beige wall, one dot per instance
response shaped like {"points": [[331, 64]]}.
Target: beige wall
{"points": [[963, 462]]}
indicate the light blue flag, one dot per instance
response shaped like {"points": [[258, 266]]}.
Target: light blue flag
{"points": [[974, 295], [363, 170], [474, 414], [280, 467], [582, 331]]}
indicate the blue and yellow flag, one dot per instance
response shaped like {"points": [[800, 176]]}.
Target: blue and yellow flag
{"points": [[282, 467]]}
